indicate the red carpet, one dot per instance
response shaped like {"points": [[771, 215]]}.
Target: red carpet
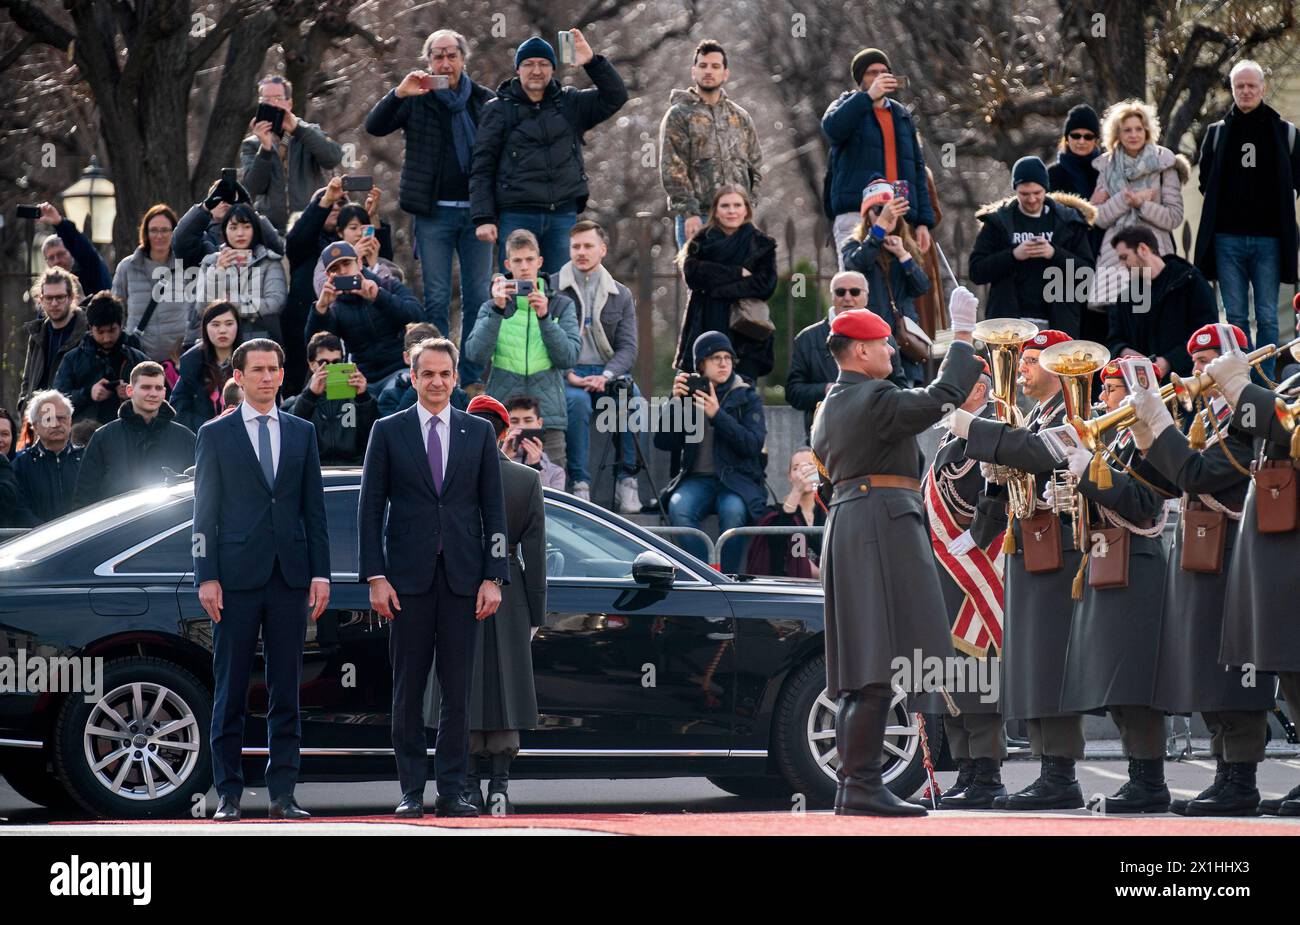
{"points": [[828, 824]]}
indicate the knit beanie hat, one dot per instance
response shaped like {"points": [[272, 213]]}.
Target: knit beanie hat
{"points": [[709, 343], [535, 47], [1029, 169], [864, 59], [1082, 116]]}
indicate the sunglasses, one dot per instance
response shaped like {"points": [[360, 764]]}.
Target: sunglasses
{"points": [[853, 292], [1082, 136]]}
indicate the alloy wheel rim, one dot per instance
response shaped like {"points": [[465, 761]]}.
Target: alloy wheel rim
{"points": [[902, 736], [141, 741]]}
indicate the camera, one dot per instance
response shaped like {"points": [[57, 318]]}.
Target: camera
{"points": [[618, 385], [344, 283]]}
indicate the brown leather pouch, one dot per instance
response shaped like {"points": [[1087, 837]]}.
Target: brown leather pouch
{"points": [[1040, 536], [1275, 498], [1111, 569], [1205, 533]]}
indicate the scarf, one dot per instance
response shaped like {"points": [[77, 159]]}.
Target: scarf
{"points": [[463, 128], [719, 247], [1136, 173], [1080, 170]]}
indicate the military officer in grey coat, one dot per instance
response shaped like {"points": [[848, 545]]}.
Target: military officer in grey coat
{"points": [[1259, 628], [883, 601], [966, 524], [1038, 609], [1189, 675], [503, 698], [1111, 659]]}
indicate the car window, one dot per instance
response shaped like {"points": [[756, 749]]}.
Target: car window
{"points": [[169, 555], [71, 529], [341, 514], [578, 546]]}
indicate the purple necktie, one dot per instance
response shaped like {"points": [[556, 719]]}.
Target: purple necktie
{"points": [[435, 455]]}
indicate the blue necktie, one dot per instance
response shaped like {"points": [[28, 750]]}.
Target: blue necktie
{"points": [[264, 449]]}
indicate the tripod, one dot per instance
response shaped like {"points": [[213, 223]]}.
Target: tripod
{"points": [[616, 445]]}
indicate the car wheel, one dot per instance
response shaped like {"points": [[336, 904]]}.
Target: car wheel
{"points": [[804, 739], [142, 749], [31, 779], [754, 788]]}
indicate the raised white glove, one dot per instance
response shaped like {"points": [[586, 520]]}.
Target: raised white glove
{"points": [[1153, 417], [1230, 373], [992, 474], [962, 305], [1078, 459], [959, 423], [962, 545]]}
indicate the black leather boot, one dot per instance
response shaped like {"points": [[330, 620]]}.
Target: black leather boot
{"points": [[1238, 797], [843, 703], [985, 787], [860, 739], [965, 774], [1220, 778], [1144, 792], [498, 803], [1274, 807], [474, 782], [1056, 788]]}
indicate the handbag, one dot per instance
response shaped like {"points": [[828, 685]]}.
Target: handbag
{"points": [[752, 318], [1040, 536], [912, 344], [1108, 568], [1275, 497], [1204, 538]]}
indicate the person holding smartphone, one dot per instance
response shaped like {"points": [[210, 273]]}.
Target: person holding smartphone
{"points": [[523, 440], [440, 127], [792, 555], [870, 133], [281, 168], [342, 424]]}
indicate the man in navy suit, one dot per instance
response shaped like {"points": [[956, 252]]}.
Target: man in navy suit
{"points": [[261, 561], [443, 548]]}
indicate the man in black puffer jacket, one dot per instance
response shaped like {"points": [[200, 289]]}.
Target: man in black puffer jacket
{"points": [[342, 424], [528, 167], [132, 451], [94, 375]]}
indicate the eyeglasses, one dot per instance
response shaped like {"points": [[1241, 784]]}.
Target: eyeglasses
{"points": [[1082, 136], [841, 293], [55, 298]]}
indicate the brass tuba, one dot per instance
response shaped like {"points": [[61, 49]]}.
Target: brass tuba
{"points": [[1075, 362], [1005, 337]]}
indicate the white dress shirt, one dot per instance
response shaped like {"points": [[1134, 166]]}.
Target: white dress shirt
{"points": [[251, 426], [444, 429]]}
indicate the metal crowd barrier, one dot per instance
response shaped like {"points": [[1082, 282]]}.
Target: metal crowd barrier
{"points": [[727, 535]]}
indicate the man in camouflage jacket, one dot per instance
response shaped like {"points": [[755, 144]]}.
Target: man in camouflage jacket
{"points": [[706, 141]]}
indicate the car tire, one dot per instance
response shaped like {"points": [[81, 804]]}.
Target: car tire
{"points": [[803, 733], [754, 788], [31, 778], [164, 746]]}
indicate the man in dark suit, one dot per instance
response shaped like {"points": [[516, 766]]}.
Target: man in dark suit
{"points": [[443, 548], [260, 540]]}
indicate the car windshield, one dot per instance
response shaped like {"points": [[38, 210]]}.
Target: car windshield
{"points": [[58, 535]]}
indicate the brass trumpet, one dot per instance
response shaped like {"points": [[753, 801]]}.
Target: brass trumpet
{"points": [[1075, 363], [1091, 429], [1005, 337], [1187, 390]]}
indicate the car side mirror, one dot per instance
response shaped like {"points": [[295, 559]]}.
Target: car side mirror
{"points": [[653, 569]]}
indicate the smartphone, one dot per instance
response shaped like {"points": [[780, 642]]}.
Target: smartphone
{"points": [[564, 46], [358, 184], [368, 231], [29, 211], [229, 175], [902, 82], [273, 114], [242, 256], [347, 283], [530, 433], [523, 287], [426, 82], [696, 384], [440, 82], [902, 190]]}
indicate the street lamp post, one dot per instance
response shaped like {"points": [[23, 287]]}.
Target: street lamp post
{"points": [[91, 204]]}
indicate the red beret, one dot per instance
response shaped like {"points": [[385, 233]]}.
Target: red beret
{"points": [[1044, 339], [1206, 337], [1112, 371], [860, 324], [488, 404]]}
